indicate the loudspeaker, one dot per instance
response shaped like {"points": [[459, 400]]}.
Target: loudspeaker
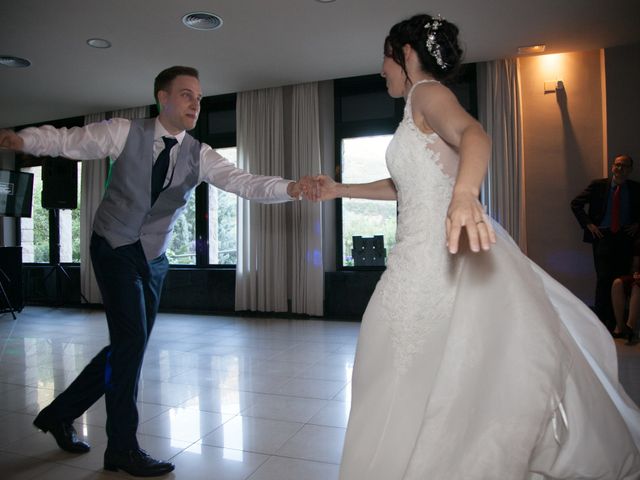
{"points": [[59, 183], [368, 251], [11, 278]]}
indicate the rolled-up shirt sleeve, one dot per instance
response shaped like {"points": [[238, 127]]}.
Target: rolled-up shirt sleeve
{"points": [[93, 141], [223, 174]]}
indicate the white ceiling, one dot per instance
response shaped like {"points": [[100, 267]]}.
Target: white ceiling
{"points": [[262, 43]]}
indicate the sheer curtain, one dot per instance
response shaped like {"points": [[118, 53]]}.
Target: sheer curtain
{"points": [[500, 109], [307, 272], [94, 179], [261, 280]]}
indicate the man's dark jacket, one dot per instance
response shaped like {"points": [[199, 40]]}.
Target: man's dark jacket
{"points": [[597, 196]]}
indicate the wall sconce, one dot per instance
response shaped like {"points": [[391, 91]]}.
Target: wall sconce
{"points": [[531, 49], [553, 86]]}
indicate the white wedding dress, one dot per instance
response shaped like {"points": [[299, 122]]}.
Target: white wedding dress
{"points": [[478, 366]]}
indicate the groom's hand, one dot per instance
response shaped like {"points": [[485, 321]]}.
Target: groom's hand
{"points": [[306, 187], [10, 140]]}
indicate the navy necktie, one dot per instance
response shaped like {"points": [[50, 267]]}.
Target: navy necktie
{"points": [[160, 168]]}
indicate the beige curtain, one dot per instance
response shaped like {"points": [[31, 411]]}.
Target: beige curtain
{"points": [[307, 272], [94, 178], [500, 108], [261, 280]]}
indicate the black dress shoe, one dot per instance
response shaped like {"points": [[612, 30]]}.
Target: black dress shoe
{"points": [[136, 462], [633, 339], [64, 433]]}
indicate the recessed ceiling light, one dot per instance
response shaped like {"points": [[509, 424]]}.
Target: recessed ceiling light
{"points": [[99, 43], [202, 21], [14, 62], [325, 1], [532, 49]]}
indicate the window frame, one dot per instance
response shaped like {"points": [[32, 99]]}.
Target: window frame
{"points": [[24, 160], [359, 128], [221, 140]]}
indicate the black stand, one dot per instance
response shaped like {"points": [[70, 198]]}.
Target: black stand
{"points": [[57, 268], [9, 307], [55, 257]]}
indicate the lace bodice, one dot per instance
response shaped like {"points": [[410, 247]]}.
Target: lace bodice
{"points": [[423, 167], [415, 289]]}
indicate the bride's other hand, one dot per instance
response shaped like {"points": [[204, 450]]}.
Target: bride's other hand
{"points": [[466, 211]]}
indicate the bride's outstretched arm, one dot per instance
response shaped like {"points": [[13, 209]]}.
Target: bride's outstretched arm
{"points": [[436, 108], [329, 189], [465, 209]]}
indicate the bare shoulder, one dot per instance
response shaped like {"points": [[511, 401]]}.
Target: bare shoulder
{"points": [[430, 100], [432, 92]]}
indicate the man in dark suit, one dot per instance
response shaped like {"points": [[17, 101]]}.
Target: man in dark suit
{"points": [[610, 225]]}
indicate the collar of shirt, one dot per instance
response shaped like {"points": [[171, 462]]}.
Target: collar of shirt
{"points": [[158, 145], [160, 132]]}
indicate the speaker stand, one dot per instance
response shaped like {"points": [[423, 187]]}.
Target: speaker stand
{"points": [[57, 267], [4, 294]]}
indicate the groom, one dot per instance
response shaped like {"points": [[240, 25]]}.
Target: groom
{"points": [[157, 167]]}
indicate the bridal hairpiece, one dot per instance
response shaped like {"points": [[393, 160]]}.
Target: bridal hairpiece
{"points": [[433, 47]]}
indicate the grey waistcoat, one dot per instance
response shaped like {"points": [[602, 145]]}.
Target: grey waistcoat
{"points": [[125, 214]]}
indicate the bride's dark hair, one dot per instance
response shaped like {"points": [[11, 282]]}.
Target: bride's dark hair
{"points": [[441, 59]]}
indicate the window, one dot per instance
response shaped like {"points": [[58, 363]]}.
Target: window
{"points": [[218, 129], [363, 160], [223, 210], [182, 248], [69, 228], [366, 117], [36, 237], [34, 231]]}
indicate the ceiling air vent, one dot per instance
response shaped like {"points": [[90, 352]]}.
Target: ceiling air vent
{"points": [[99, 43], [14, 62], [202, 21]]}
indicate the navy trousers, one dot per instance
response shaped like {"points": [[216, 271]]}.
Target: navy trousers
{"points": [[130, 286]]}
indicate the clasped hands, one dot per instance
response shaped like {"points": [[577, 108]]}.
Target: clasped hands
{"points": [[314, 188]]}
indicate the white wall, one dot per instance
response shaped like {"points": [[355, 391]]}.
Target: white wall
{"points": [[563, 152]]}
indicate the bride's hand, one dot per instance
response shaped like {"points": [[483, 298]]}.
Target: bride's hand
{"points": [[466, 211], [328, 188]]}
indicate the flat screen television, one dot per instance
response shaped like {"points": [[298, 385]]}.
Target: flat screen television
{"points": [[16, 193]]}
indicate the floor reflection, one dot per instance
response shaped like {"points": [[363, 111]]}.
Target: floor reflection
{"points": [[244, 397]]}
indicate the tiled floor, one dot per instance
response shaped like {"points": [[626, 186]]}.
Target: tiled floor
{"points": [[224, 398]]}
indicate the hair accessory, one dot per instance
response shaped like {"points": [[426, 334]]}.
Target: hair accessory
{"points": [[432, 45]]}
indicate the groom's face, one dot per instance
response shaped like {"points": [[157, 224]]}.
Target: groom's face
{"points": [[180, 104]]}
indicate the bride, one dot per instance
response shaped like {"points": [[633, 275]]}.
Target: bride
{"points": [[472, 362]]}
